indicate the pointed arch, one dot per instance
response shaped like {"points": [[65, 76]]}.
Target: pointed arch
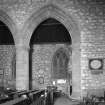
{"points": [[60, 62], [7, 20], [51, 11], [7, 49], [71, 24], [50, 31]]}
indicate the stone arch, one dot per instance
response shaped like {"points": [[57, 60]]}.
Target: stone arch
{"points": [[7, 20], [52, 11]]}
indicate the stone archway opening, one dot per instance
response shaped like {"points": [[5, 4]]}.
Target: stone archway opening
{"points": [[61, 71], [49, 36], [7, 58]]}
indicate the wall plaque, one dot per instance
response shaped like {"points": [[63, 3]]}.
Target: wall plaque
{"points": [[41, 80], [96, 64]]}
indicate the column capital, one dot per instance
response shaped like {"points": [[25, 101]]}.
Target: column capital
{"points": [[22, 47]]}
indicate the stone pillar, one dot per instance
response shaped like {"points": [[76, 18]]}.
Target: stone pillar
{"points": [[76, 73], [22, 67]]}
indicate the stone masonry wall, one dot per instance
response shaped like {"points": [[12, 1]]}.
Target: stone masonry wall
{"points": [[42, 63], [92, 39], [93, 46], [7, 66]]}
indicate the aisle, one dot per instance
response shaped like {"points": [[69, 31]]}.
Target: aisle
{"points": [[65, 101]]}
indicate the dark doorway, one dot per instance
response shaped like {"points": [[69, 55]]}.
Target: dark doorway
{"points": [[49, 31]]}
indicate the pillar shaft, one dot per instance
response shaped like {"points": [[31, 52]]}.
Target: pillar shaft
{"points": [[22, 67], [76, 73]]}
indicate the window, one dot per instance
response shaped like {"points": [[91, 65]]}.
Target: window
{"points": [[60, 64]]}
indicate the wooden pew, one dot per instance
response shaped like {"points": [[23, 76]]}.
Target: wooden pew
{"points": [[13, 102], [9, 96], [24, 97]]}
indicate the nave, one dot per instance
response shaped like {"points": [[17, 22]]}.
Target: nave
{"points": [[49, 96]]}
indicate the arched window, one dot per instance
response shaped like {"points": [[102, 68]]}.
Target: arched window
{"points": [[60, 64]]}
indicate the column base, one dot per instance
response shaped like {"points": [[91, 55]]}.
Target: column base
{"points": [[76, 96]]}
